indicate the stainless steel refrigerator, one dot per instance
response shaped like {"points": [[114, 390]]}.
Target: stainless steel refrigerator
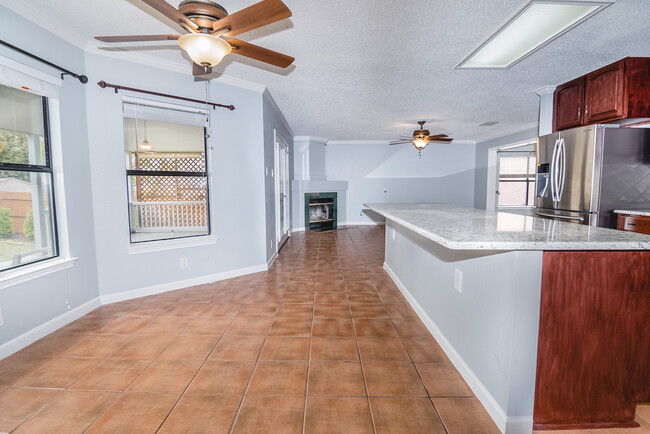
{"points": [[585, 173]]}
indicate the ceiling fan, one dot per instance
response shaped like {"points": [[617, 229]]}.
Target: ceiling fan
{"points": [[206, 22], [421, 138]]}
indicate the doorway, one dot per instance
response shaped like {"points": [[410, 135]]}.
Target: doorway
{"points": [[282, 189]]}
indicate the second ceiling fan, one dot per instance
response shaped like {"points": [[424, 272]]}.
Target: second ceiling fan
{"points": [[207, 22], [421, 138]]}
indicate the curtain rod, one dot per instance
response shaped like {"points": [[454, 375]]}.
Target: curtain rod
{"points": [[103, 85], [81, 78]]}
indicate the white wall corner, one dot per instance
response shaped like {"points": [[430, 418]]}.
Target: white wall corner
{"points": [[269, 98], [545, 109], [38, 332]]}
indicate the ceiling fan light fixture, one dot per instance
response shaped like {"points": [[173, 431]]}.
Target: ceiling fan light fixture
{"points": [[420, 142], [204, 49]]}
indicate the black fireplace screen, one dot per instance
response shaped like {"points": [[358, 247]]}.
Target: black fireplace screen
{"points": [[320, 211]]}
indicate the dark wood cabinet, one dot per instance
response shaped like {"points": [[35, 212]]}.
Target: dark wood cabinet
{"points": [[617, 91], [633, 223], [568, 101]]}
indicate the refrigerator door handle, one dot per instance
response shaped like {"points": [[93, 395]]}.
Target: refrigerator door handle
{"points": [[552, 174], [562, 169], [568, 217]]}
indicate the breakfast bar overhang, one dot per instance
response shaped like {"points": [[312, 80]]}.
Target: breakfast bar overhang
{"points": [[546, 321]]}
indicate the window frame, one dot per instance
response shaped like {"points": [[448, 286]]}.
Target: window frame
{"points": [[522, 178], [157, 244], [48, 167]]}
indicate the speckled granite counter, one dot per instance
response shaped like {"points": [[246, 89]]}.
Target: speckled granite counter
{"points": [[642, 212], [474, 229]]}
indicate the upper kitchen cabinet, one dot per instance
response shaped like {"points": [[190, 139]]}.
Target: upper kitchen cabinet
{"points": [[617, 91], [568, 101]]}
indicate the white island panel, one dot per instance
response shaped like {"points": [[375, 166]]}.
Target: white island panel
{"points": [[495, 312]]}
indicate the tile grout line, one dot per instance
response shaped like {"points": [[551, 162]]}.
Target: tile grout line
{"points": [[202, 363], [257, 360], [363, 371], [311, 335]]}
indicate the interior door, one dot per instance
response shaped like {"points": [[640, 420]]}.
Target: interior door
{"points": [[282, 191]]}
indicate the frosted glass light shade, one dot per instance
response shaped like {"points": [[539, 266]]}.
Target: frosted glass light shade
{"points": [[204, 49], [420, 143], [536, 25]]}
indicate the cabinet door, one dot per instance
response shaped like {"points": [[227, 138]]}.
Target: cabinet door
{"points": [[605, 94], [568, 100]]}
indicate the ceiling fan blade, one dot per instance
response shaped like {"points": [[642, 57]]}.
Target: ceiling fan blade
{"points": [[173, 14], [258, 15], [399, 142], [437, 136], [137, 38], [258, 53], [442, 139], [199, 70]]}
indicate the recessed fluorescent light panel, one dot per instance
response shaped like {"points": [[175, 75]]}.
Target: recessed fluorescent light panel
{"points": [[536, 25]]}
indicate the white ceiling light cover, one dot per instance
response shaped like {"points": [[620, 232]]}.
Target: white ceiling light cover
{"points": [[537, 24]]}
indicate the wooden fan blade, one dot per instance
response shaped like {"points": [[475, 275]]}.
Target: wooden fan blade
{"points": [[437, 136], [173, 14], [258, 15], [258, 53], [442, 139], [199, 70], [137, 38]]}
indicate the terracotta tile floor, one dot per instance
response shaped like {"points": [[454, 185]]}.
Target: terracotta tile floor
{"points": [[322, 343]]}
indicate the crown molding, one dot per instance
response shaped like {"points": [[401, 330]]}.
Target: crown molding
{"points": [[241, 83], [358, 142], [310, 139], [269, 98], [544, 90], [505, 133]]}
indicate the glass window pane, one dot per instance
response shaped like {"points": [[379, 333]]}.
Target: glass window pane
{"points": [[21, 127], [152, 145], [26, 218], [163, 207], [512, 194], [532, 165], [513, 165], [531, 194]]}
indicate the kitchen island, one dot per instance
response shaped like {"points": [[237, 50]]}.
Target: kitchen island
{"points": [[547, 321]]}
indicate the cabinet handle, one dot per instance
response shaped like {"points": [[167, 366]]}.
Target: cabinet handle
{"points": [[578, 112], [630, 224], [586, 110]]}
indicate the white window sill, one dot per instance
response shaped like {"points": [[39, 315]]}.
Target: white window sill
{"points": [[162, 245], [30, 272]]}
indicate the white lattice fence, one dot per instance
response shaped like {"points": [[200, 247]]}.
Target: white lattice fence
{"points": [[175, 216]]}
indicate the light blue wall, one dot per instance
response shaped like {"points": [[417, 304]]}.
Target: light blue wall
{"points": [[33, 303], [95, 182], [274, 123], [481, 163], [381, 173], [236, 163]]}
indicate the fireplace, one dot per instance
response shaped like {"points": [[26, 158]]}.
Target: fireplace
{"points": [[320, 211]]}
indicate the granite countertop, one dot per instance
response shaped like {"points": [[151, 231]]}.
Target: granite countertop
{"points": [[644, 212], [475, 229]]}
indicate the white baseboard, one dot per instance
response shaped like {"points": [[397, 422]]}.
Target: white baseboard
{"points": [[364, 223], [484, 396], [179, 284], [38, 332], [300, 229], [271, 260]]}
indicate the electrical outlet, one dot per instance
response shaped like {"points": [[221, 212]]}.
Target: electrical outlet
{"points": [[183, 263], [393, 231], [458, 280], [1, 320], [67, 303]]}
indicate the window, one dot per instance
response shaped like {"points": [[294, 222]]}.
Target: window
{"points": [[27, 216], [516, 178], [166, 170]]}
